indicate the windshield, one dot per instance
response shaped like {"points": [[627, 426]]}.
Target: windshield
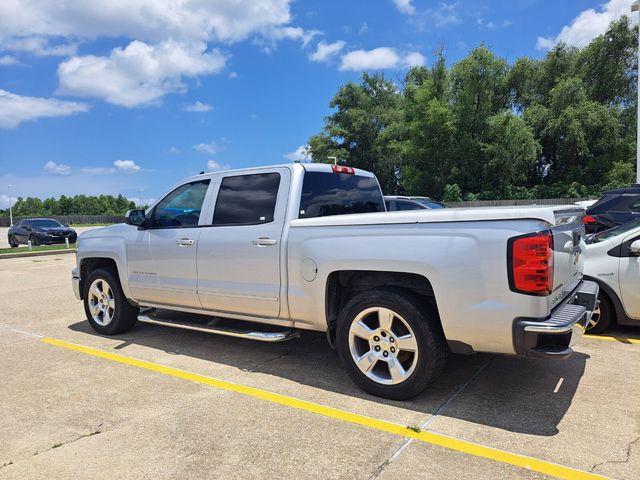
{"points": [[45, 223], [615, 231]]}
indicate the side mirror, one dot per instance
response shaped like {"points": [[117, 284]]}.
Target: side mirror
{"points": [[634, 249], [134, 217]]}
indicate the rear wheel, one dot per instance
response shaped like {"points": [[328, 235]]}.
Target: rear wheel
{"points": [[389, 343], [107, 309], [13, 243], [603, 316]]}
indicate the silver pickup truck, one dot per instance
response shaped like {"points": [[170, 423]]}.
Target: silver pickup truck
{"points": [[310, 246]]}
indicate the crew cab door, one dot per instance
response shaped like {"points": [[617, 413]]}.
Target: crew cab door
{"points": [[162, 258], [239, 254], [629, 278]]}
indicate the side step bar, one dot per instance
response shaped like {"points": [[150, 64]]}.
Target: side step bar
{"points": [[280, 336]]}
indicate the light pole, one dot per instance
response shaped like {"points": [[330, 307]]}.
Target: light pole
{"points": [[335, 160], [635, 7], [10, 208], [140, 197]]}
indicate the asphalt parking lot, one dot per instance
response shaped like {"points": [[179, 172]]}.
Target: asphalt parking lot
{"points": [[163, 403]]}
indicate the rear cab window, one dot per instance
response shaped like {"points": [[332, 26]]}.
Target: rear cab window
{"points": [[329, 193]]}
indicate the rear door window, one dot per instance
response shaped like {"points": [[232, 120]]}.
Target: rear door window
{"points": [[328, 193], [247, 199]]}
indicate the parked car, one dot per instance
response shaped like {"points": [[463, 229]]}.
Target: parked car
{"points": [[614, 208], [310, 247], [40, 231], [397, 203], [613, 261]]}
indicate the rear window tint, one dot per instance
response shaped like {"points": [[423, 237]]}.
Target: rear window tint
{"points": [[605, 204], [247, 199], [325, 194]]}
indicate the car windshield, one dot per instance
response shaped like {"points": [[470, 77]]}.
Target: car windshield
{"points": [[45, 223], [615, 231]]}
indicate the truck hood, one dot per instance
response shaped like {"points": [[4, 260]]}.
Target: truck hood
{"points": [[116, 230], [551, 214]]}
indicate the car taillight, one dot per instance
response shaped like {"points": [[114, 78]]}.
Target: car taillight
{"points": [[343, 169], [531, 263], [589, 219]]}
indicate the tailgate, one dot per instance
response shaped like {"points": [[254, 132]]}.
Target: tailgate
{"points": [[568, 246]]}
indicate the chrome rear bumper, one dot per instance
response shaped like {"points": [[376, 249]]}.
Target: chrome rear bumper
{"points": [[554, 336]]}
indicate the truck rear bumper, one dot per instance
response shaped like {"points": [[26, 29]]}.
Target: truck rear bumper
{"points": [[554, 336]]}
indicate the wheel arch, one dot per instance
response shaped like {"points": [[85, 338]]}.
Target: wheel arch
{"points": [[88, 264], [621, 315], [341, 285]]}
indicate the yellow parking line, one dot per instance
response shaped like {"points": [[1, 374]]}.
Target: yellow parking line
{"points": [[451, 443], [613, 338]]}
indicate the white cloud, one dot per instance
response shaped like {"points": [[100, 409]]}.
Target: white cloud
{"points": [[39, 46], [588, 25], [380, 58], [57, 168], [126, 166], [173, 151], [324, 50], [209, 148], [405, 6], [301, 154], [147, 20], [4, 201], [198, 106], [15, 109], [7, 60], [138, 74], [212, 166]]}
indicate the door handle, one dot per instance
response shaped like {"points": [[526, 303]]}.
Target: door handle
{"points": [[264, 242], [184, 242]]}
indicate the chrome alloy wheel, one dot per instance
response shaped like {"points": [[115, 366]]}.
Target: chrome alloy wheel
{"points": [[595, 317], [102, 305], [383, 346]]}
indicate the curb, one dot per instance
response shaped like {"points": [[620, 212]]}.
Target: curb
{"points": [[37, 254]]}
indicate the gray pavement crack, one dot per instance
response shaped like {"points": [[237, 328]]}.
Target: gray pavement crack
{"points": [[93, 432], [628, 456], [406, 442]]}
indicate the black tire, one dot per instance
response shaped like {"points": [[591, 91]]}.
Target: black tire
{"points": [[607, 316], [12, 241], [432, 349], [124, 314], [33, 240]]}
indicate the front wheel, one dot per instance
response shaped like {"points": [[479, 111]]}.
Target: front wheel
{"points": [[390, 343], [107, 309], [33, 240]]}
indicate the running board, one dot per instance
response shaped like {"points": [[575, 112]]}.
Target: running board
{"points": [[280, 336]]}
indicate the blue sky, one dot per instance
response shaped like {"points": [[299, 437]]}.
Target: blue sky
{"points": [[113, 96]]}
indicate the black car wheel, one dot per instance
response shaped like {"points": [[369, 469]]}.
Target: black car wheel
{"points": [[13, 243], [34, 240], [603, 316]]}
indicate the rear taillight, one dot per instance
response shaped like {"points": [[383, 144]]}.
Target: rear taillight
{"points": [[531, 263], [343, 169], [589, 219]]}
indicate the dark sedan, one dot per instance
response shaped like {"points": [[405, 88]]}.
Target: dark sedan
{"points": [[614, 208], [40, 231], [396, 203]]}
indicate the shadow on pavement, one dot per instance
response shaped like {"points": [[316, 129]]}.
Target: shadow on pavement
{"points": [[525, 395]]}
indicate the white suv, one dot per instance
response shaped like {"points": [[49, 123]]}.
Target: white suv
{"points": [[613, 261]]}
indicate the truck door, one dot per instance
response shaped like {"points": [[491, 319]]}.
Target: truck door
{"points": [[239, 254], [162, 258], [629, 278]]}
